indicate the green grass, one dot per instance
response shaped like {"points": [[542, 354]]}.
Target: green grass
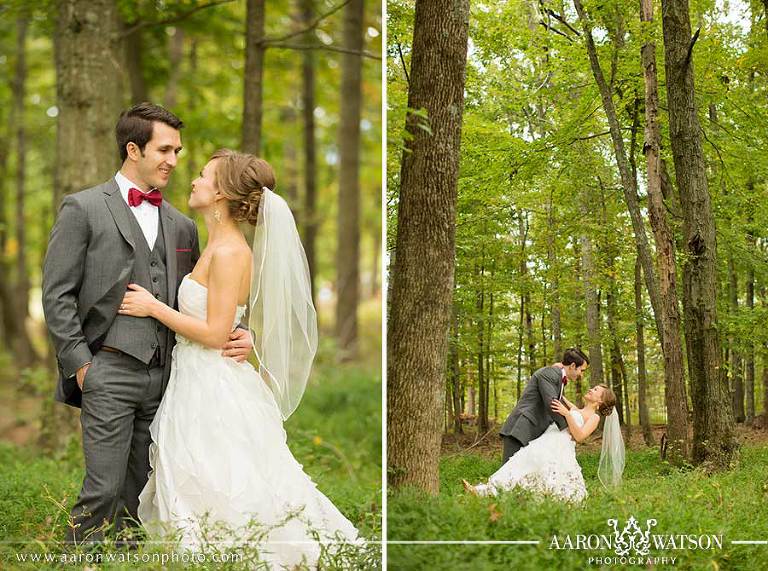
{"points": [[335, 434], [734, 504]]}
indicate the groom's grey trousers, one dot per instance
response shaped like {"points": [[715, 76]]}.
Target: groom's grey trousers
{"points": [[120, 397]]}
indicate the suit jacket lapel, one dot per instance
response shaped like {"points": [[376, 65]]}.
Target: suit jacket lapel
{"points": [[119, 211], [169, 234]]}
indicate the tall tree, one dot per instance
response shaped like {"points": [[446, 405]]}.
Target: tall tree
{"points": [[348, 243], [713, 438], [309, 213], [628, 181], [591, 299], [89, 87], [672, 347], [253, 78], [642, 373], [422, 277], [25, 352]]}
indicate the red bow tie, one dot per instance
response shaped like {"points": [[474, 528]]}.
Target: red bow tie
{"points": [[565, 381], [135, 197]]}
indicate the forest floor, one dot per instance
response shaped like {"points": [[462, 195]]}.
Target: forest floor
{"points": [[335, 434], [687, 501]]}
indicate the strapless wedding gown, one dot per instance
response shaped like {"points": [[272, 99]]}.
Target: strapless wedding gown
{"points": [[220, 460], [547, 466]]}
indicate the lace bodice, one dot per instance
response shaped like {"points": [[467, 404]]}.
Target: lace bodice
{"points": [[193, 300]]}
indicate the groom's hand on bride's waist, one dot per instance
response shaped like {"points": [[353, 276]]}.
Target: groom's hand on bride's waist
{"points": [[239, 345]]}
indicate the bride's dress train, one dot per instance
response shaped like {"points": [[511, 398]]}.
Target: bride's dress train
{"points": [[219, 454], [547, 465]]}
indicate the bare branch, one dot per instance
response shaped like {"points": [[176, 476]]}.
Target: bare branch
{"points": [[402, 61], [178, 18], [553, 29], [268, 41], [327, 48], [562, 20], [690, 47]]}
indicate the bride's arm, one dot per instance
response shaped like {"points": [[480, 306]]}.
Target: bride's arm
{"points": [[224, 278], [579, 433]]}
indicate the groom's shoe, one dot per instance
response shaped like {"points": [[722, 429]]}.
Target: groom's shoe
{"points": [[469, 487]]}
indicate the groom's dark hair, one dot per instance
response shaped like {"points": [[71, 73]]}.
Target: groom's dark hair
{"points": [[135, 125], [574, 356]]}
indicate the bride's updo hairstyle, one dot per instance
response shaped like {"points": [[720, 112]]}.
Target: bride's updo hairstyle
{"points": [[241, 178], [608, 402]]}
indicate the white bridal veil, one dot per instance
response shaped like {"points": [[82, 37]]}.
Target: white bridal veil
{"points": [[282, 320], [611, 465]]}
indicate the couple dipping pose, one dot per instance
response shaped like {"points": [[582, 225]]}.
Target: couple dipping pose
{"points": [[540, 435], [179, 430]]}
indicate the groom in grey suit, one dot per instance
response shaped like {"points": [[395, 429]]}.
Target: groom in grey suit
{"points": [[115, 367], [532, 414]]}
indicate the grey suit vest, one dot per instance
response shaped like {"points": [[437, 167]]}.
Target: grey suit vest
{"points": [[140, 337]]}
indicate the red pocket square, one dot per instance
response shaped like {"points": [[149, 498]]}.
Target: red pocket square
{"points": [[183, 249]]}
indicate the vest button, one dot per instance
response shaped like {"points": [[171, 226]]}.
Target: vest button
{"points": [[153, 263], [154, 279]]}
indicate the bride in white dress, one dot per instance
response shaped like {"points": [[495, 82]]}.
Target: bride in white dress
{"points": [[219, 452], [548, 466]]}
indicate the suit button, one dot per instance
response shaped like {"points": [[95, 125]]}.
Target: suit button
{"points": [[154, 279], [154, 345], [153, 263], [157, 295]]}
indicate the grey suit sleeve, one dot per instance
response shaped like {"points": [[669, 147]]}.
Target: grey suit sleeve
{"points": [[62, 277], [549, 392]]}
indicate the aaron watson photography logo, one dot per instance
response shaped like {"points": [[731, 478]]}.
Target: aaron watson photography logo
{"points": [[633, 545]]}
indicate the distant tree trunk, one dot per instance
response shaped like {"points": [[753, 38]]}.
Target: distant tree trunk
{"points": [[713, 437], [555, 282], [290, 178], [192, 103], [676, 400], [254, 76], [133, 51], [751, 307], [520, 347], [616, 359], [422, 279], [628, 182], [348, 224], [6, 305], [735, 365], [376, 235], [310, 151], [453, 364], [592, 304], [23, 348], [642, 375], [489, 379], [482, 381], [175, 57], [89, 87], [523, 227]]}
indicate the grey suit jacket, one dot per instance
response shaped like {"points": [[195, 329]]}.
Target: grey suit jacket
{"points": [[87, 268], [532, 415]]}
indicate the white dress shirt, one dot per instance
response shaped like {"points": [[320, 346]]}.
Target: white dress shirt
{"points": [[147, 216]]}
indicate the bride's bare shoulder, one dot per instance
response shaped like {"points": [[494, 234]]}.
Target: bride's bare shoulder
{"points": [[231, 254]]}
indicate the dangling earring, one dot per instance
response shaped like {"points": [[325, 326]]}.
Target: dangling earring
{"points": [[217, 215]]}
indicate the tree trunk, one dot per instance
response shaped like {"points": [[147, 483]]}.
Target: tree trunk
{"points": [[348, 243], [253, 80], [628, 182], [482, 416], [751, 306], [89, 106], [617, 365], [642, 375], [375, 263], [453, 363], [310, 152], [555, 282], [175, 57], [133, 50], [592, 304], [676, 400], [713, 437], [24, 351], [735, 364], [520, 347], [422, 277]]}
